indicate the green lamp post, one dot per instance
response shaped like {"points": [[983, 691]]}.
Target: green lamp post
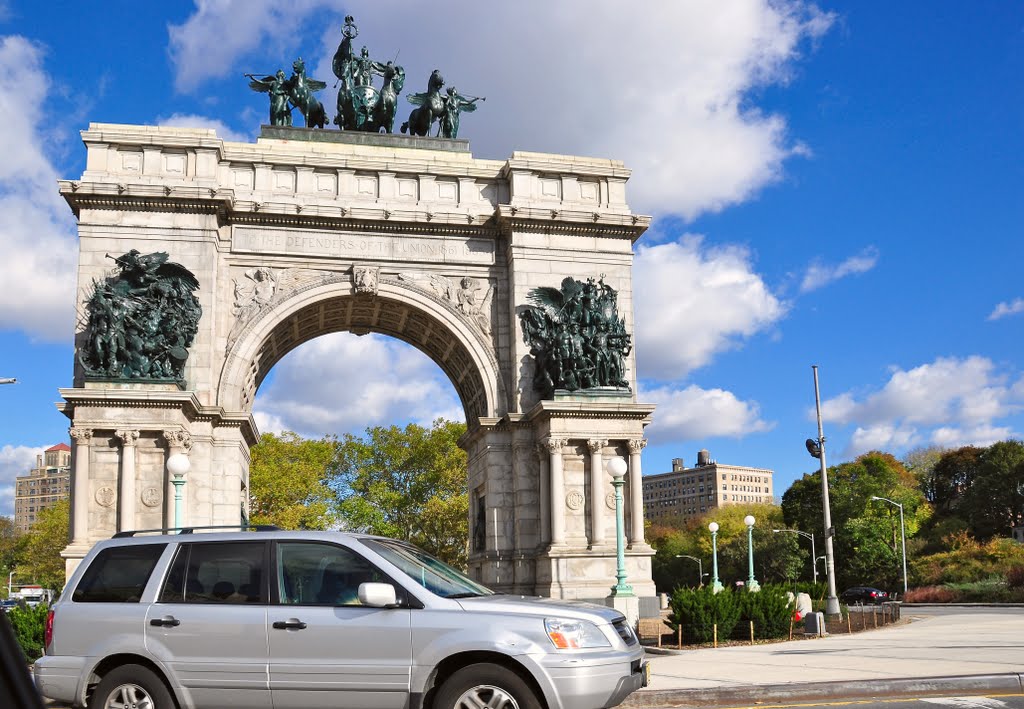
{"points": [[617, 469], [752, 584], [716, 585], [178, 465]]}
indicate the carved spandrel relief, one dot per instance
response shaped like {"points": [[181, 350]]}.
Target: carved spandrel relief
{"points": [[464, 295], [260, 288]]}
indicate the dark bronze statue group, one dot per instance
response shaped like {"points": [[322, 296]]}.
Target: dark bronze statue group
{"points": [[141, 320], [576, 337], [361, 105]]}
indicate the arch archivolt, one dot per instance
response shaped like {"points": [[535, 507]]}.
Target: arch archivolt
{"points": [[329, 302]]}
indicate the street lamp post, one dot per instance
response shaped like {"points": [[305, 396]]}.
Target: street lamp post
{"points": [[820, 558], [178, 465], [617, 469], [716, 585], [752, 584], [903, 537], [817, 450], [700, 567], [814, 563]]}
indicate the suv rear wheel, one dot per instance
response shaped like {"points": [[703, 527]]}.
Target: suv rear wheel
{"points": [[131, 687], [485, 685]]}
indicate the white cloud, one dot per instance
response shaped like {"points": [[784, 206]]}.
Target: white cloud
{"points": [[947, 402], [697, 414], [665, 88], [697, 301], [14, 461], [36, 226], [191, 120], [819, 274], [1005, 309], [357, 382]]}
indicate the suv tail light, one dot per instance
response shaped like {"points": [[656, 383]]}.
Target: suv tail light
{"points": [[48, 636]]}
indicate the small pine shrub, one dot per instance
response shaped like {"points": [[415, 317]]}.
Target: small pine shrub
{"points": [[699, 611], [29, 624], [770, 610]]}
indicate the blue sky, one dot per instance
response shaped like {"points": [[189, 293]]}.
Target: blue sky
{"points": [[834, 184]]}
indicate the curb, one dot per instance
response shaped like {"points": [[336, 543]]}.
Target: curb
{"points": [[757, 694]]}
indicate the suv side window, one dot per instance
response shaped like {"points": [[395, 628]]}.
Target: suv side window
{"points": [[316, 574], [118, 574], [216, 572]]}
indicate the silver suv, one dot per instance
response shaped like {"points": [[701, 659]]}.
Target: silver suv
{"points": [[298, 620]]}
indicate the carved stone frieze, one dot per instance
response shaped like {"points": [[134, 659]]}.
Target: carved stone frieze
{"points": [[259, 289], [365, 279], [464, 295]]}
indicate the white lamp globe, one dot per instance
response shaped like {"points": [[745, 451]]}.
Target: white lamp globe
{"points": [[749, 520], [616, 468], [713, 527], [178, 464]]}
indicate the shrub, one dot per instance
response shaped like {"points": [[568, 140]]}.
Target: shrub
{"points": [[698, 611], [29, 624], [1015, 576], [817, 591], [930, 594], [769, 609]]}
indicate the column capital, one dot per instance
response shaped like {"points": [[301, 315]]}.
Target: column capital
{"points": [[554, 445], [178, 439], [596, 444], [81, 436], [128, 438], [636, 445]]}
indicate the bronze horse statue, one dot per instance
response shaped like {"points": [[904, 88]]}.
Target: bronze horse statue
{"points": [[431, 106], [301, 90]]}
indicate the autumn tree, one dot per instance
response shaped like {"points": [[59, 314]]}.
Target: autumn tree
{"points": [[41, 561], [288, 482], [407, 483], [12, 547], [994, 502]]}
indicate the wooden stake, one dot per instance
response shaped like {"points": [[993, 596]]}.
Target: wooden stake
{"points": [[849, 623], [791, 628], [874, 618], [715, 629], [751, 632], [680, 633]]}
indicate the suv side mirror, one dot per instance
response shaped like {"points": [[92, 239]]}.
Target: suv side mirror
{"points": [[377, 595]]}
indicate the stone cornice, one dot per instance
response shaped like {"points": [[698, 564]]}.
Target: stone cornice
{"points": [[553, 220], [185, 401], [627, 411]]}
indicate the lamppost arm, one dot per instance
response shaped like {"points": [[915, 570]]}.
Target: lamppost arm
{"points": [[700, 566], [903, 536]]}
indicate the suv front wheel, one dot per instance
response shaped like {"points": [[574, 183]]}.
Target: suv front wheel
{"points": [[485, 685], [131, 687]]}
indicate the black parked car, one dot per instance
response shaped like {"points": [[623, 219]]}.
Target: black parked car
{"points": [[863, 594]]}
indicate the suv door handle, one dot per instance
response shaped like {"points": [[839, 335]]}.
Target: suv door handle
{"points": [[168, 621], [291, 623]]}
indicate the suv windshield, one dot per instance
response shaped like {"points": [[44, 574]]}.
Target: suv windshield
{"points": [[430, 573]]}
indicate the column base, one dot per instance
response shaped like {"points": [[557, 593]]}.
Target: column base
{"points": [[629, 606], [73, 555]]}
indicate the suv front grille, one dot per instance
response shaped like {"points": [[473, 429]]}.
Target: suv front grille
{"points": [[625, 632]]}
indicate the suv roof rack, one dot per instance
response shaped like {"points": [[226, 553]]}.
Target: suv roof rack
{"points": [[191, 530]]}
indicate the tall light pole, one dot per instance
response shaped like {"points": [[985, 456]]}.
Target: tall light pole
{"points": [[716, 585], [752, 584], [814, 564], [903, 537], [817, 449], [700, 567], [617, 469]]}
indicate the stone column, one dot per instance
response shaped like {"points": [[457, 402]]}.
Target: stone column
{"points": [[636, 492], [126, 493], [554, 446], [80, 486], [544, 500], [596, 489], [178, 441]]}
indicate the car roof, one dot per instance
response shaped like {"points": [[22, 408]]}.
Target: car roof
{"points": [[146, 537]]}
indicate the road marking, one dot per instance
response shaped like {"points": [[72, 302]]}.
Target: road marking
{"points": [[962, 702]]}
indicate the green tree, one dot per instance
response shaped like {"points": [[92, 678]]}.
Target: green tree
{"points": [[408, 483], [42, 562], [12, 548], [951, 478], [288, 482], [867, 543], [994, 503]]}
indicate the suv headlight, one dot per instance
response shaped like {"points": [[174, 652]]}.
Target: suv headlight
{"points": [[569, 634]]}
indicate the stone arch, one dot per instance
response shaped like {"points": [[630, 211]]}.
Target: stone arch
{"points": [[398, 309]]}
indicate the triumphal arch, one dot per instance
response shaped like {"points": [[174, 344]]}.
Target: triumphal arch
{"points": [[203, 262]]}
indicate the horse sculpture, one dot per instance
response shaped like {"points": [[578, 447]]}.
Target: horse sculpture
{"points": [[431, 106], [301, 90]]}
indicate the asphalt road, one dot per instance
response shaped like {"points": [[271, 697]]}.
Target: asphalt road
{"points": [[950, 609]]}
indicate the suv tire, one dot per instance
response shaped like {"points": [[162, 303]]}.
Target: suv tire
{"points": [[484, 684], [131, 685]]}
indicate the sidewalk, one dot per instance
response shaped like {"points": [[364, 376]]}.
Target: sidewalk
{"points": [[958, 653]]}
